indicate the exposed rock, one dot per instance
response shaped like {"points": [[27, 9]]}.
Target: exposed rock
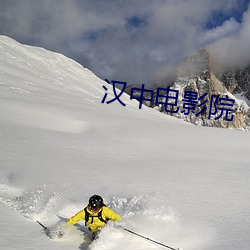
{"points": [[196, 75], [238, 120], [237, 81]]}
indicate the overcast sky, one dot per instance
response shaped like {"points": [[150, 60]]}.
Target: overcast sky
{"points": [[137, 41]]}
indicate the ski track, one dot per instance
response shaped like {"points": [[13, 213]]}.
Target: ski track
{"points": [[145, 214]]}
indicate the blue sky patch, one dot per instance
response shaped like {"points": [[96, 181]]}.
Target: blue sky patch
{"points": [[136, 21], [219, 17]]}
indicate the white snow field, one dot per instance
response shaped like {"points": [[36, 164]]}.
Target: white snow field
{"points": [[182, 185]]}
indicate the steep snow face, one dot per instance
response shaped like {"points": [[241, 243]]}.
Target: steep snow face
{"points": [[34, 75], [179, 184]]}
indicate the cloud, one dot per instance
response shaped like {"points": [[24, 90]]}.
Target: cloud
{"points": [[233, 49], [228, 28], [135, 41]]}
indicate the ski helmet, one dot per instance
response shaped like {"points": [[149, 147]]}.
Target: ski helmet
{"points": [[95, 202]]}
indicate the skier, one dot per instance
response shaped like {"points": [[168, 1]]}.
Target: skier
{"points": [[95, 214]]}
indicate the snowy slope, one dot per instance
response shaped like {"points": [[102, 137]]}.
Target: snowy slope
{"points": [[176, 183]]}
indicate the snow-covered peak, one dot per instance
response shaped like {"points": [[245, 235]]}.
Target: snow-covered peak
{"points": [[194, 65], [25, 69]]}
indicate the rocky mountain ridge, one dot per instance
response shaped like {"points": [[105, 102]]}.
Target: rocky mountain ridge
{"points": [[237, 81], [203, 96]]}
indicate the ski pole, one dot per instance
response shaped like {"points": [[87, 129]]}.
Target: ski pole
{"points": [[45, 228], [146, 238]]}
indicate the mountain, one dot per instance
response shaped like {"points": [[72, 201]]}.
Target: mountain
{"points": [[193, 94], [182, 185], [196, 74], [237, 81]]}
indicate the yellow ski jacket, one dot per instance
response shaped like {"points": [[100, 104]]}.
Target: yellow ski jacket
{"points": [[94, 223]]}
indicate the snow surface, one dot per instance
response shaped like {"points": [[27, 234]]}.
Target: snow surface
{"points": [[182, 185]]}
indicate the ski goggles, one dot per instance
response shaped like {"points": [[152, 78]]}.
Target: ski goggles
{"points": [[94, 208]]}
